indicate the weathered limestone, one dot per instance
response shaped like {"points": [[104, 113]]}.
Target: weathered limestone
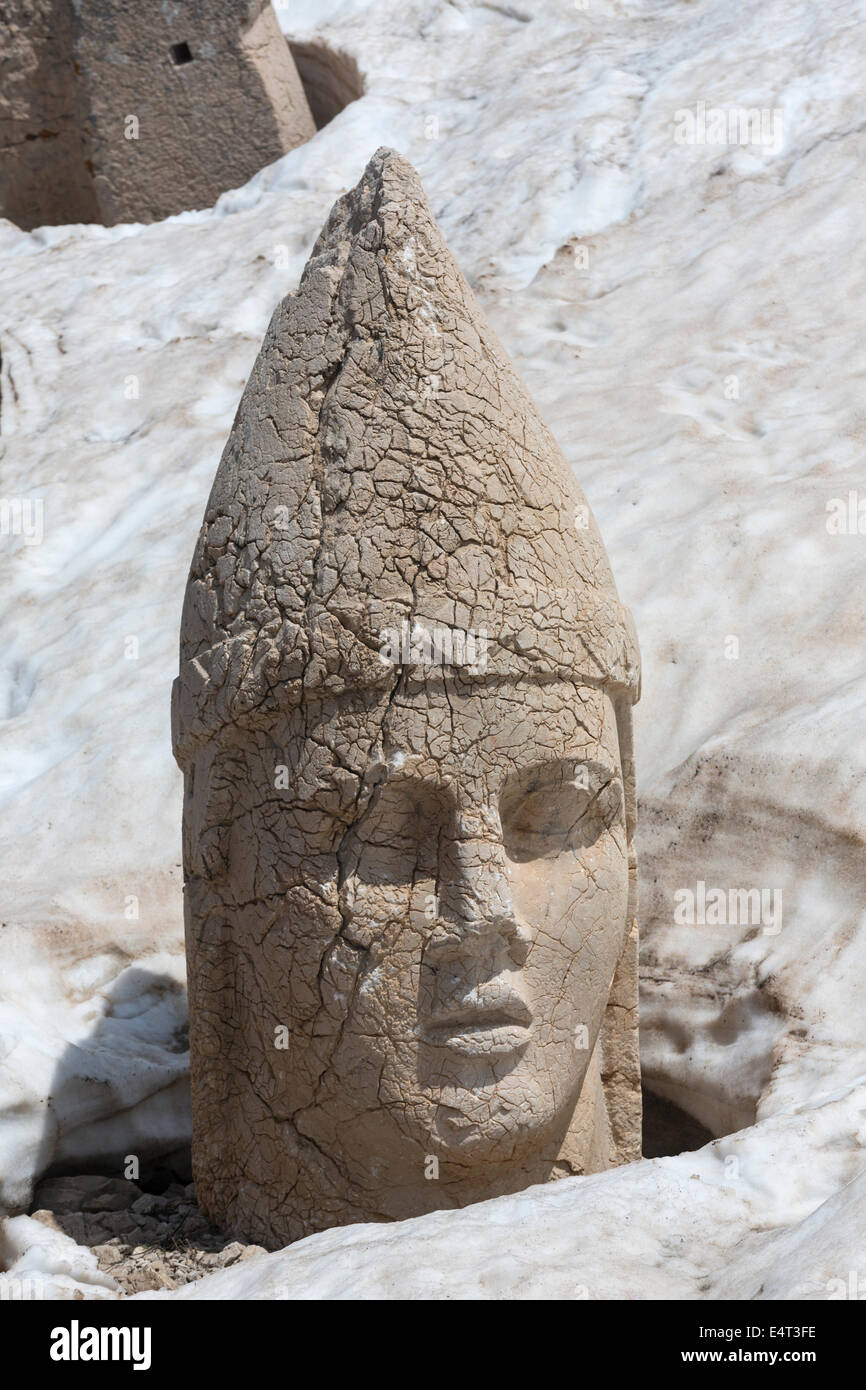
{"points": [[404, 717], [44, 176], [117, 112]]}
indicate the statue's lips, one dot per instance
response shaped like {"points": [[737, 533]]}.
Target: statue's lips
{"points": [[491, 1030]]}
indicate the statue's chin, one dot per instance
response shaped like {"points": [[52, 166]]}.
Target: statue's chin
{"points": [[507, 1129]]}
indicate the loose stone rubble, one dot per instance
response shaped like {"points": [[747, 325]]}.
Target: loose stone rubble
{"points": [[144, 1240]]}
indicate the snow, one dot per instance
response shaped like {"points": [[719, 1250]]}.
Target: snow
{"points": [[689, 319], [727, 1222], [41, 1263]]}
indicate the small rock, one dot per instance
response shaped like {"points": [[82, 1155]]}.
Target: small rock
{"points": [[211, 1243], [193, 1225], [148, 1203], [151, 1231], [72, 1223], [118, 1223], [162, 1273], [107, 1255], [212, 1259], [87, 1192], [140, 1280], [231, 1253]]}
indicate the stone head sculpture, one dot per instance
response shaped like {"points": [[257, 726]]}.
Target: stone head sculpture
{"points": [[404, 718]]}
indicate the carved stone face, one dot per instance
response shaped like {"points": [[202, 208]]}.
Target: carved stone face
{"points": [[446, 986], [410, 893]]}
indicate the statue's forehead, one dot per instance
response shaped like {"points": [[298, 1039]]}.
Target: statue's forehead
{"points": [[499, 733], [485, 726], [493, 702]]}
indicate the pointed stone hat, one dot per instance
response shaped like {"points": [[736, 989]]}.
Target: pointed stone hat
{"points": [[387, 471]]}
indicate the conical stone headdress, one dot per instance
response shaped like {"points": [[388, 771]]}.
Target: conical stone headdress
{"points": [[386, 472], [387, 468]]}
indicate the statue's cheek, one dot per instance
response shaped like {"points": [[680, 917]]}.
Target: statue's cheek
{"points": [[575, 907]]}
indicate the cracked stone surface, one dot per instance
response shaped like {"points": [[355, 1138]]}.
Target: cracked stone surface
{"points": [[404, 717]]}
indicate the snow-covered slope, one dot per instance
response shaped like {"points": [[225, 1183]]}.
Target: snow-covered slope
{"points": [[689, 318], [723, 1223]]}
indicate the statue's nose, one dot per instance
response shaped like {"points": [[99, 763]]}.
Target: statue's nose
{"points": [[474, 901]]}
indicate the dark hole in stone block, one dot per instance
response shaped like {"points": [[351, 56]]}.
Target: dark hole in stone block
{"points": [[180, 54]]}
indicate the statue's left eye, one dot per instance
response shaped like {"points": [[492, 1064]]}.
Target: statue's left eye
{"points": [[547, 820]]}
